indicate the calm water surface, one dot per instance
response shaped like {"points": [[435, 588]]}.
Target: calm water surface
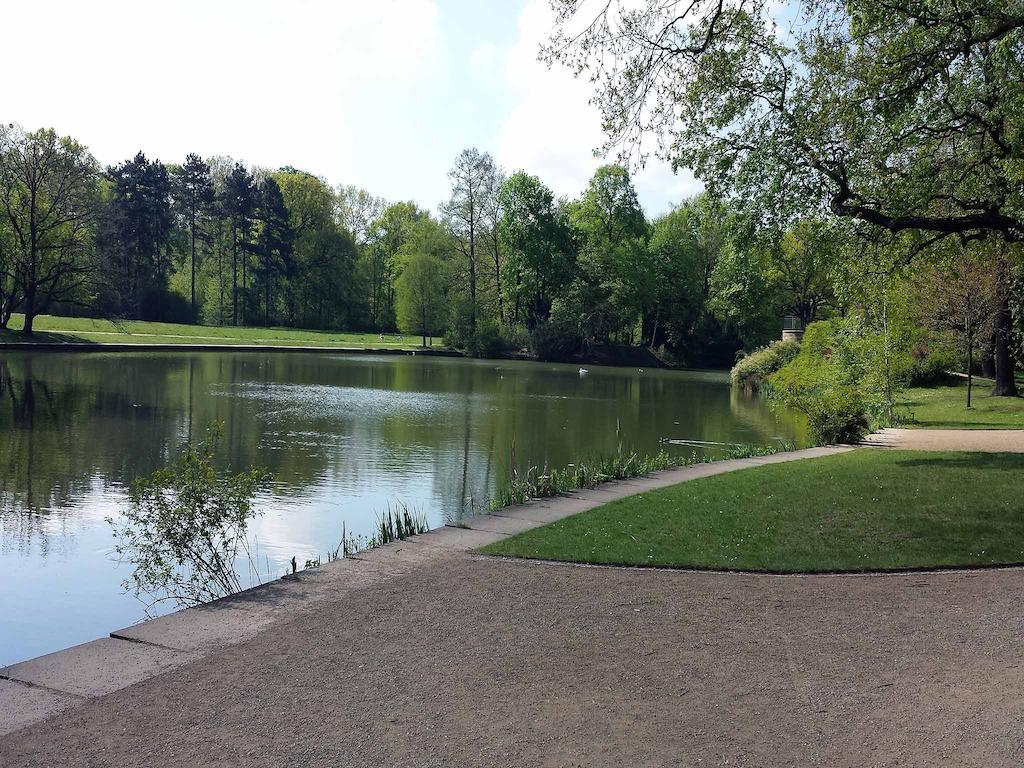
{"points": [[344, 436]]}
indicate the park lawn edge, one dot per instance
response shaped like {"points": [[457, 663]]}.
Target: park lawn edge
{"points": [[567, 551], [944, 407]]}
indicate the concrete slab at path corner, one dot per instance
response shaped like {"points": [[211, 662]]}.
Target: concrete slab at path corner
{"points": [[96, 668], [971, 440]]}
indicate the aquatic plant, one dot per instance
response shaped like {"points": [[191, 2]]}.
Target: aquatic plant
{"points": [[544, 483], [399, 523], [396, 523]]}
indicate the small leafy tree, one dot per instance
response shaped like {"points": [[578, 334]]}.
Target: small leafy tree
{"points": [[420, 296], [962, 297], [184, 530]]}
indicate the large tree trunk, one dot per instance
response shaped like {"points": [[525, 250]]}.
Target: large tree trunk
{"points": [[192, 235], [988, 357], [234, 276], [1006, 383]]}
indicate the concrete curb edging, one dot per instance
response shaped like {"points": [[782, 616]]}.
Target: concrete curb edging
{"points": [[38, 688]]}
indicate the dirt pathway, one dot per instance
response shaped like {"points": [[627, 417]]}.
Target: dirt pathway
{"points": [[474, 662], [988, 440]]}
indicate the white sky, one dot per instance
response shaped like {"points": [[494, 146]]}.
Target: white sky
{"points": [[380, 94]]}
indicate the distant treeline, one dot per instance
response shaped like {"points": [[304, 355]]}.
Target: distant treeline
{"points": [[506, 264]]}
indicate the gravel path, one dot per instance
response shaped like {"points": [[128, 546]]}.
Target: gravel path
{"points": [[467, 661], [989, 440]]}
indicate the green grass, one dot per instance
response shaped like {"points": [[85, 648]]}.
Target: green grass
{"points": [[864, 510], [945, 407], [49, 328]]}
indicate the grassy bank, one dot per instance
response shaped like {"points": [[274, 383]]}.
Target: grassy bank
{"points": [[87, 331], [856, 511], [945, 407]]}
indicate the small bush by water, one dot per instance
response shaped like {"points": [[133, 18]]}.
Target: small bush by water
{"points": [[184, 531]]}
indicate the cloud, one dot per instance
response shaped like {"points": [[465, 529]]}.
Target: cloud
{"points": [[553, 130], [267, 82]]}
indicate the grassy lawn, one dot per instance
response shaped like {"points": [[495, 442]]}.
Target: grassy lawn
{"points": [[862, 510], [83, 330], [945, 407]]}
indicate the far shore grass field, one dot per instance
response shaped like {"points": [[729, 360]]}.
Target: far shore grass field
{"points": [[858, 511], [945, 407], [75, 330]]}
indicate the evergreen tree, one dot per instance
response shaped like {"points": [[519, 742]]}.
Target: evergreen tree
{"points": [[139, 226], [238, 202], [193, 198], [273, 245]]}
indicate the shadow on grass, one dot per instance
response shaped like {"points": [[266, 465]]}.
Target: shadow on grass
{"points": [[41, 337], [969, 460]]}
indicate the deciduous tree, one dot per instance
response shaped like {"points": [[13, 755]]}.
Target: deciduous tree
{"points": [[901, 116], [49, 197]]}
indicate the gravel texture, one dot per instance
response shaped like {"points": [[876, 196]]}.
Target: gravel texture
{"points": [[988, 440], [469, 661]]}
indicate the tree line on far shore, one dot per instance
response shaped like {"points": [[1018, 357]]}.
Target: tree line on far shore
{"points": [[504, 264]]}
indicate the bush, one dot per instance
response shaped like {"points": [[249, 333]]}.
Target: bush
{"points": [[752, 371], [930, 367], [517, 338], [835, 415], [823, 382], [166, 306], [486, 340], [555, 340], [184, 530]]}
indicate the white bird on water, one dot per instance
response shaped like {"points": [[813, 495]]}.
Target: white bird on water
{"points": [[584, 371]]}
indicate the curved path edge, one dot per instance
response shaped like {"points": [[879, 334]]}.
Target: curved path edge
{"points": [[33, 690]]}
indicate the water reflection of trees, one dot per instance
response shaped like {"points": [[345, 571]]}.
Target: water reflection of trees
{"points": [[72, 423]]}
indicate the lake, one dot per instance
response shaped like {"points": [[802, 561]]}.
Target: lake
{"points": [[343, 435]]}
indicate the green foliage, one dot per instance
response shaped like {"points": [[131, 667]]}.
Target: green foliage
{"points": [[539, 248], [420, 296], [49, 197], [752, 371], [555, 340], [676, 261], [848, 374], [487, 340], [835, 414], [741, 295], [184, 530], [930, 366]]}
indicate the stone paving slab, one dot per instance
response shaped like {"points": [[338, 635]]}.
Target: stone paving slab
{"points": [[400, 556], [498, 524], [22, 704], [203, 628], [460, 538], [96, 668]]}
